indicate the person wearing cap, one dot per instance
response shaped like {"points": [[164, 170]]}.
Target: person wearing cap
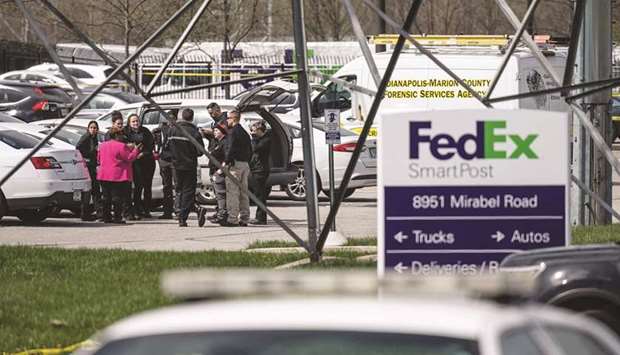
{"points": [[166, 168], [218, 151]]}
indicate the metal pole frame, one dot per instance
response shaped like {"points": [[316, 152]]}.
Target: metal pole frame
{"points": [[598, 199], [569, 71], [413, 11], [312, 202], [361, 39], [513, 45], [50, 49], [595, 135], [177, 46], [77, 108], [611, 81], [105, 57], [426, 52]]}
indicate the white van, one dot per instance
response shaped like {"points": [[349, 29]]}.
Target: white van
{"points": [[419, 83]]}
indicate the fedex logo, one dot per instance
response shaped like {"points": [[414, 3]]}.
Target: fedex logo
{"points": [[483, 144]]}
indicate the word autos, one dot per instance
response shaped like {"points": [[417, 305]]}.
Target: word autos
{"points": [[444, 146]]}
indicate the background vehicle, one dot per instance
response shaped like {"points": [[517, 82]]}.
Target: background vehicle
{"points": [[53, 78], [585, 279], [91, 75], [418, 82], [615, 114], [56, 176], [33, 101], [364, 175], [287, 101], [108, 99], [349, 325]]}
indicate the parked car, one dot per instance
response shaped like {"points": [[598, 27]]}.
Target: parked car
{"points": [[585, 279], [91, 75], [108, 99], [9, 119], [55, 176], [287, 100], [52, 78], [364, 175], [33, 101], [615, 114], [282, 323]]}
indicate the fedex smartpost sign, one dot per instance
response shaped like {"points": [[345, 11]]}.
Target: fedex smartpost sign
{"points": [[459, 190]]}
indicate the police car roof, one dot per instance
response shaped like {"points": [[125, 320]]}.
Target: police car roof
{"points": [[452, 317]]}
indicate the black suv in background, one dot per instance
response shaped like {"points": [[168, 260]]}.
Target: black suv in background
{"points": [[585, 279], [36, 101]]}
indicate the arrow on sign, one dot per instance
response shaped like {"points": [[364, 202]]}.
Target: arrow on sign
{"points": [[498, 236], [400, 268], [400, 237]]}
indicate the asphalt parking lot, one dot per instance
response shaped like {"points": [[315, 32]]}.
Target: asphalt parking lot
{"points": [[357, 219]]}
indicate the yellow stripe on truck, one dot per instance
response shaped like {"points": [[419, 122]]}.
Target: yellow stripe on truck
{"points": [[358, 131]]}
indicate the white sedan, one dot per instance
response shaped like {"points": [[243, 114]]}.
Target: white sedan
{"points": [[364, 174], [413, 324], [55, 176]]}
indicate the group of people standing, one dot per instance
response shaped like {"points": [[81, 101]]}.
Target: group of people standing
{"points": [[122, 167]]}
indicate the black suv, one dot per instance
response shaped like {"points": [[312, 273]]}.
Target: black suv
{"points": [[585, 279], [36, 101]]}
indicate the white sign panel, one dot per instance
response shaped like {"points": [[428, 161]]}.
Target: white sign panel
{"points": [[332, 126], [460, 190]]}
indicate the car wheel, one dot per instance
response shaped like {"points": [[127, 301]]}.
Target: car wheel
{"points": [[347, 193], [296, 190], [599, 309], [33, 216], [206, 196]]}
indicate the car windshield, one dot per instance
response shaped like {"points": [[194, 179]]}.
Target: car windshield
{"points": [[292, 343]]}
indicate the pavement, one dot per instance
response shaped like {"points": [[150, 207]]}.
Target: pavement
{"points": [[356, 219]]}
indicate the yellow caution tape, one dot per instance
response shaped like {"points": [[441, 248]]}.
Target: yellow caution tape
{"points": [[58, 351], [615, 118]]}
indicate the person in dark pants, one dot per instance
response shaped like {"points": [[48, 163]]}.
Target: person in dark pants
{"points": [[237, 162], [115, 173], [144, 168], [88, 146], [260, 167], [218, 151], [185, 161], [166, 168]]}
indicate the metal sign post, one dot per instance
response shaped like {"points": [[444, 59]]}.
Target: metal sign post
{"points": [[332, 136]]}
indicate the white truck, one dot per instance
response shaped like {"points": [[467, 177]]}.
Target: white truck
{"points": [[419, 83]]}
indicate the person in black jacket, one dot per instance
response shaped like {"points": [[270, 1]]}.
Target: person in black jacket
{"points": [[166, 169], [237, 162], [185, 160], [218, 151], [260, 167], [143, 168], [88, 146]]}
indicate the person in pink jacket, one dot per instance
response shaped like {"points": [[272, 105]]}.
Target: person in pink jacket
{"points": [[115, 173]]}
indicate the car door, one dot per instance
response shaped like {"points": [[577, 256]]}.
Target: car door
{"points": [[282, 142]]}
